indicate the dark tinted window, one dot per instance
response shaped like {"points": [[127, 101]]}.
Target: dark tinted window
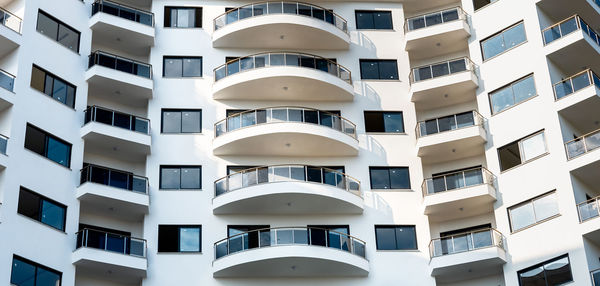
{"points": [[181, 121], [550, 273], [48, 145], [182, 66], [396, 237], [482, 3], [58, 31], [28, 273], [389, 177], [374, 20], [384, 121], [41, 209], [180, 177], [179, 238], [183, 17], [379, 69], [53, 86]]}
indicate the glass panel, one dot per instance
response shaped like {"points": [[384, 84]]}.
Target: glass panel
{"points": [[139, 184], [22, 273], [233, 67], [300, 236], [284, 236], [458, 66], [261, 61], [192, 67], [304, 10], [446, 123], [380, 179], [592, 141], [185, 18], [514, 36], [189, 239], [569, 26], [59, 91], [47, 26], [221, 249], [232, 16], [190, 178], [137, 247], [170, 178], [524, 89], [311, 116], [455, 181], [278, 115], [438, 184], [433, 19], [58, 152], [369, 70], [115, 242], [558, 272], [364, 20], [502, 99], [522, 216], [450, 15], [545, 207], [280, 174], [473, 177], [462, 243], [313, 174], [533, 146], [482, 239], [103, 116], [399, 178], [422, 73], [581, 81], [141, 125], [47, 278], [275, 7], [416, 23], [125, 66], [464, 120], [68, 38], [493, 46], [533, 277], [292, 60], [440, 69], [259, 9], [382, 20], [119, 180], [295, 115], [406, 237], [122, 120], [297, 173], [277, 59], [191, 122], [388, 70], [171, 122]]}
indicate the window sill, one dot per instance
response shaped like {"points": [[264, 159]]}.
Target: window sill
{"points": [[54, 100], [537, 223], [68, 168], [39, 222], [526, 162]]}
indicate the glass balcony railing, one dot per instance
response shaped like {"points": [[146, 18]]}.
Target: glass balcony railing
{"points": [[568, 26], [286, 173], [111, 242], [276, 59], [575, 83], [7, 80], [289, 236], [466, 242], [434, 18], [280, 8], [457, 180], [117, 119], [123, 11], [285, 114], [114, 178], [589, 209], [595, 273], [441, 69], [10, 20], [3, 144], [583, 144], [121, 64], [449, 123]]}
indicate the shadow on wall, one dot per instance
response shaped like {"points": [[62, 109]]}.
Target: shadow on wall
{"points": [[362, 43]]}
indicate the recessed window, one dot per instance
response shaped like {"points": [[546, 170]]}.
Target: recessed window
{"points": [[522, 151], [384, 121], [389, 177], [53, 86], [379, 69], [478, 4], [396, 237], [183, 17], [179, 238], [28, 273], [512, 94], [42, 209], [533, 211], [503, 41], [47, 145], [58, 31], [556, 271], [182, 66], [180, 177], [181, 121], [374, 20]]}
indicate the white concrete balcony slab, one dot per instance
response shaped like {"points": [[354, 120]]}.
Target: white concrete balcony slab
{"points": [[284, 77], [10, 31], [285, 131], [298, 254], [288, 189], [285, 25]]}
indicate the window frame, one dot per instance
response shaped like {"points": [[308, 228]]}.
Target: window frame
{"points": [[181, 121], [372, 12], [511, 84], [486, 5], [395, 227], [179, 227], [498, 33], [54, 77], [46, 136], [521, 156], [183, 58], [531, 201], [195, 8], [383, 113], [179, 167], [389, 178], [360, 62], [59, 23], [36, 265], [41, 199], [543, 263]]}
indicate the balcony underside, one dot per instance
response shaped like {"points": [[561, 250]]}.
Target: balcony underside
{"points": [[113, 31], [104, 136], [112, 265], [9, 40], [124, 204], [291, 261], [460, 203], [444, 91], [581, 108], [3, 162], [123, 87], [452, 145], [6, 99], [558, 10], [468, 265], [437, 40], [573, 52]]}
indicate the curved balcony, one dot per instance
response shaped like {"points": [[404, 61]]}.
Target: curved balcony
{"points": [[285, 131], [288, 189], [283, 76], [280, 24], [300, 252]]}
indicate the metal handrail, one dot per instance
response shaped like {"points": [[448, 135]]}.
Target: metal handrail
{"points": [[222, 126], [222, 19], [581, 25], [4, 19], [7, 80], [355, 245], [469, 66], [591, 208], [83, 241], [346, 181], [86, 176], [243, 64], [90, 115], [428, 187], [98, 6], [3, 143], [478, 120], [569, 86], [583, 144], [93, 60], [436, 247], [462, 15]]}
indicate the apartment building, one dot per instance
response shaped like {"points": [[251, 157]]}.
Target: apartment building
{"points": [[187, 142]]}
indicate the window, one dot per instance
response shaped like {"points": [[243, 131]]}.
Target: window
{"points": [[389, 178], [330, 236], [47, 145], [182, 66], [53, 86], [533, 211], [478, 4], [181, 121], [379, 69], [384, 121], [42, 209], [374, 20], [58, 31], [396, 237], [179, 238], [183, 17], [28, 273], [512, 94], [554, 272], [180, 177], [503, 41], [522, 151]]}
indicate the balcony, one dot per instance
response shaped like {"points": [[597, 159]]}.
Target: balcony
{"points": [[285, 131], [3, 157], [123, 193], [281, 25], [571, 44], [444, 83], [7, 95], [595, 275], [283, 76], [112, 74], [556, 9], [437, 33], [588, 212], [451, 137], [10, 31], [460, 256], [460, 194], [116, 24], [288, 189], [108, 129], [300, 252], [101, 252]]}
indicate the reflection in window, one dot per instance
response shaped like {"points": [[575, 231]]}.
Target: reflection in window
{"points": [[47, 145], [53, 86], [28, 273], [181, 121], [379, 69], [503, 41], [374, 20], [183, 17], [384, 121], [512, 94], [182, 66], [58, 31], [400, 237], [180, 177], [389, 178], [522, 151], [550, 273], [533, 211], [179, 238]]}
